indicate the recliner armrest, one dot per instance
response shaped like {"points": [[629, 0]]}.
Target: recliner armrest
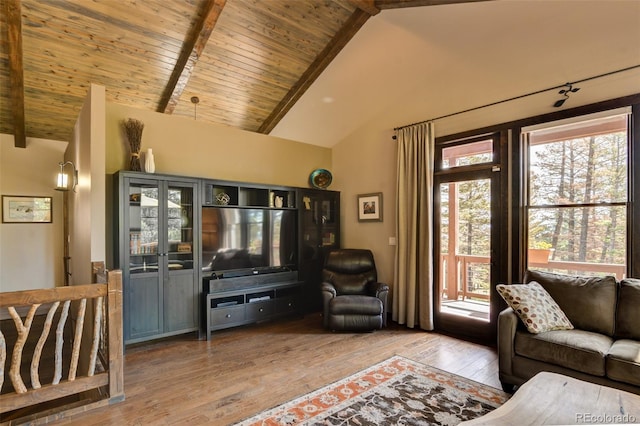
{"points": [[381, 291], [329, 288], [328, 292], [375, 289]]}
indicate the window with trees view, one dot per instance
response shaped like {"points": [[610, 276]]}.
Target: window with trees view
{"points": [[578, 192]]}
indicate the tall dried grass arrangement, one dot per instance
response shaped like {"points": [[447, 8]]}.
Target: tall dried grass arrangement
{"points": [[133, 129]]}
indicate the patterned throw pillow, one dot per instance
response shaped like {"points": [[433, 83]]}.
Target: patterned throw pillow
{"points": [[535, 307]]}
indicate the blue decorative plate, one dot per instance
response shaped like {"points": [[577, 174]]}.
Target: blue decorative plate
{"points": [[320, 178]]}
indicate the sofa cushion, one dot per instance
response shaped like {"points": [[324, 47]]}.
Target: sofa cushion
{"points": [[534, 306], [575, 349], [623, 361], [628, 312], [588, 302]]}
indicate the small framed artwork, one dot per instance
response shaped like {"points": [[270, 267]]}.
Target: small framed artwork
{"points": [[25, 209], [370, 207]]}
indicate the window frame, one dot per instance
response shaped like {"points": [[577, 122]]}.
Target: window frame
{"points": [[525, 136], [484, 332], [516, 163]]}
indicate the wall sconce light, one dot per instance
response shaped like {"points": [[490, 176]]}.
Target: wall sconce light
{"points": [[62, 183], [569, 89]]}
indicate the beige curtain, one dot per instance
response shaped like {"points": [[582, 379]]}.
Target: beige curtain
{"points": [[413, 288]]}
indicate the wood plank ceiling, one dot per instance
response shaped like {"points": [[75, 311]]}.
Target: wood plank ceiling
{"points": [[248, 61]]}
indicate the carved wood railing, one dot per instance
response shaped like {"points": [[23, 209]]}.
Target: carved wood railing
{"points": [[96, 365]]}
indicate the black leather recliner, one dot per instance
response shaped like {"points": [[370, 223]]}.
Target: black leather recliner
{"points": [[353, 299]]}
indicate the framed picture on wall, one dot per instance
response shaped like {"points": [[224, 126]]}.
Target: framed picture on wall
{"points": [[370, 207], [26, 209]]}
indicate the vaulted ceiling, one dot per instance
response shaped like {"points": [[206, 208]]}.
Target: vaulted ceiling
{"points": [[307, 70], [246, 61]]}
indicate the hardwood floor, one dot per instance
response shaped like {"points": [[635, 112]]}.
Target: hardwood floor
{"points": [[245, 370]]}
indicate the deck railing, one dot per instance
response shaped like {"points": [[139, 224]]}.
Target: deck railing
{"points": [[95, 367], [456, 282], [617, 270]]}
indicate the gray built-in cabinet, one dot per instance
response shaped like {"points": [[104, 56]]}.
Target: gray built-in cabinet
{"points": [[169, 228], [157, 251]]}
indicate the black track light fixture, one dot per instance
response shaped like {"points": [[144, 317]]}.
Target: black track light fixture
{"points": [[565, 92]]}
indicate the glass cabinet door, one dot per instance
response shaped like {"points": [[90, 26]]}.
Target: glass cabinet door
{"points": [[180, 227], [319, 232], [326, 217], [144, 225], [319, 218], [160, 279]]}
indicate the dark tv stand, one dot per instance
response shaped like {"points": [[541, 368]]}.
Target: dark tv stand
{"points": [[231, 302]]}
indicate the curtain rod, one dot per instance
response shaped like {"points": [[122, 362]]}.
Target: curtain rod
{"points": [[518, 97]]}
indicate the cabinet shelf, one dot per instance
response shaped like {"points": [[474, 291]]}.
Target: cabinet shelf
{"points": [[242, 195]]}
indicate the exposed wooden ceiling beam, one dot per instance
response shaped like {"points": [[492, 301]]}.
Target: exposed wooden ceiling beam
{"points": [[396, 4], [191, 51], [365, 9], [13, 16], [337, 43], [366, 5]]}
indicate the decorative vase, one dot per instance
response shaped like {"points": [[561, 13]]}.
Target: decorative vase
{"points": [[184, 219], [223, 199], [149, 163], [133, 130]]}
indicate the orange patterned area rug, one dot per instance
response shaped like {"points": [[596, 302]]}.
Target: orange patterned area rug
{"points": [[397, 391]]}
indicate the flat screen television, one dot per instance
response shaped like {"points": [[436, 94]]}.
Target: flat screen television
{"points": [[241, 241]]}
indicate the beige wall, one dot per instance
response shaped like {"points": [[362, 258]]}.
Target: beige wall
{"points": [[98, 147], [184, 146], [362, 164], [87, 206], [31, 255], [365, 161]]}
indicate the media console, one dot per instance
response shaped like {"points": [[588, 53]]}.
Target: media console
{"points": [[230, 302]]}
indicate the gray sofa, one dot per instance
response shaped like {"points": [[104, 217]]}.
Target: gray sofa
{"points": [[603, 347]]}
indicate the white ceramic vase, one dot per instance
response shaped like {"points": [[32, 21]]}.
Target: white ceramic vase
{"points": [[149, 163]]}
